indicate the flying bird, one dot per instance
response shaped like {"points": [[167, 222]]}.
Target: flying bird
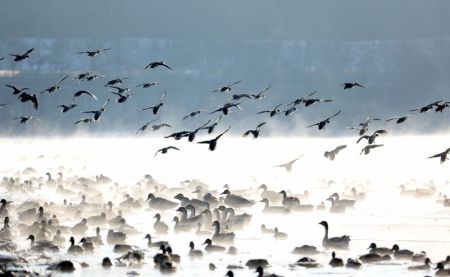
{"points": [[236, 97], [115, 82], [193, 114], [290, 111], [55, 86], [288, 165], [178, 135], [226, 108], [400, 119], [352, 85], [20, 57], [363, 127], [426, 108], [273, 112], [260, 95], [323, 123], [84, 92], [165, 149], [192, 134], [372, 137], [147, 85], [443, 156], [441, 107], [2, 105], [309, 102], [212, 144], [367, 148], [121, 98], [255, 132], [159, 126], [159, 63], [301, 100], [25, 97], [65, 108], [93, 53], [145, 126], [2, 58], [155, 109], [16, 90], [25, 119], [84, 120], [119, 89], [331, 155], [226, 88], [98, 113], [211, 127]]}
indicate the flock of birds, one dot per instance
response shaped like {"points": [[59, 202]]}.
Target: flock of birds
{"points": [[215, 217]]}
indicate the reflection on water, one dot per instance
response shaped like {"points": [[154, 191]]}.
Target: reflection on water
{"points": [[384, 217]]}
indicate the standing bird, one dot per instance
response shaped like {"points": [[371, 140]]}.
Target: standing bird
{"points": [[273, 112], [323, 123], [25, 119], [426, 108], [158, 63], [288, 166], [84, 92], [65, 108], [98, 112], [16, 90], [254, 132], [226, 88], [367, 148], [25, 97], [165, 149], [260, 95], [212, 144], [93, 53], [400, 119], [55, 86], [442, 156], [331, 155], [371, 138], [20, 57], [351, 85], [155, 109]]}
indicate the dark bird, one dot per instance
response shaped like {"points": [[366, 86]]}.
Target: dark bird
{"points": [[331, 155], [426, 108], [2, 105], [147, 85], [372, 137], [441, 107], [341, 242], [211, 127], [2, 58], [84, 92], [192, 134], [236, 97], [193, 114], [260, 95], [119, 89], [226, 88], [93, 53], [288, 166], [25, 119], [351, 85], [82, 76], [18, 57], [115, 82], [323, 123], [178, 135], [363, 127], [159, 63], [290, 111], [255, 132], [367, 148], [159, 126], [16, 90], [25, 97], [92, 77], [226, 107], [400, 119], [84, 120], [165, 149], [55, 86], [273, 112], [301, 100], [98, 112], [145, 126], [212, 144], [155, 109], [65, 108], [121, 98], [309, 102], [443, 156]]}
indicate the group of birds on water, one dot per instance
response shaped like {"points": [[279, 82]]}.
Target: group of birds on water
{"points": [[122, 92], [215, 218]]}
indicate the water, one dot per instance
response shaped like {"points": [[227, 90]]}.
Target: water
{"points": [[384, 217]]}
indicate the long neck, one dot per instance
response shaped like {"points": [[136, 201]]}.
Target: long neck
{"points": [[326, 232], [217, 231]]}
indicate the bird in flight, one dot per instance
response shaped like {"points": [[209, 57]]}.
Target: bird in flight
{"points": [[98, 113], [226, 108], [115, 82], [20, 57], [165, 149], [255, 132], [155, 109], [158, 63], [426, 108], [226, 88], [93, 53], [352, 85], [363, 127], [372, 137], [25, 119], [16, 90], [367, 148], [441, 107], [443, 156], [65, 108], [288, 166], [148, 85], [272, 112], [324, 122], [84, 92], [121, 98], [55, 86], [84, 120], [236, 97], [400, 119], [25, 97], [159, 126], [211, 127], [261, 94], [302, 99], [212, 144], [2, 58], [331, 155], [193, 114]]}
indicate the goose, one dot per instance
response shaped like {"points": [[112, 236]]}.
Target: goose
{"points": [[441, 271], [335, 262], [401, 253], [161, 257], [254, 132], [122, 248], [379, 250], [400, 119], [270, 195], [254, 263], [443, 156], [115, 237], [226, 88], [55, 86], [157, 244], [158, 63], [40, 246], [179, 227], [306, 250], [236, 201], [115, 81], [194, 253], [225, 110], [155, 109], [106, 263], [229, 273], [58, 239], [334, 242], [212, 144], [343, 202], [25, 97], [352, 85], [159, 226], [97, 219], [66, 108], [20, 57], [93, 53], [374, 257], [289, 202], [260, 272], [97, 239], [367, 148], [273, 209], [159, 203], [371, 138], [173, 257], [307, 262], [80, 228], [4, 207], [187, 221], [127, 228], [324, 122], [132, 257], [213, 248], [446, 261], [419, 257], [148, 84], [272, 112], [260, 95], [193, 218], [5, 232], [279, 235], [331, 155], [425, 266], [353, 263], [221, 237], [16, 90], [426, 108], [288, 166], [98, 113], [87, 245], [236, 222], [74, 249]]}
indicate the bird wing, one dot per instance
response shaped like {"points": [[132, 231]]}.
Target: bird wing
{"points": [[261, 112], [235, 83], [157, 152], [359, 85], [106, 103], [340, 147], [334, 114], [173, 147], [435, 156], [313, 125], [393, 118], [223, 133], [363, 137], [380, 132], [260, 125], [29, 51], [162, 96], [167, 66], [65, 77], [310, 94]]}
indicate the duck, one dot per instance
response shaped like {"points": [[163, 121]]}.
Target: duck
{"points": [[374, 257], [273, 209], [353, 263], [161, 257], [236, 201], [229, 273], [58, 238], [80, 228], [221, 237], [158, 244], [159, 226], [179, 227], [272, 196], [213, 248], [336, 209], [97, 219], [335, 262], [446, 261], [173, 257], [74, 249], [132, 257], [254, 263], [194, 253], [379, 250], [425, 266], [260, 272], [335, 242], [87, 245], [289, 201], [279, 235], [122, 248], [306, 250], [441, 271], [106, 262], [401, 253], [159, 203], [40, 246], [307, 262], [115, 237], [234, 221]]}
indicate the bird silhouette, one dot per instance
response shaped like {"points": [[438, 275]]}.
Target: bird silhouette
{"points": [[98, 113], [272, 112], [55, 86], [155, 109], [20, 57], [288, 166], [367, 148], [93, 53], [331, 155], [84, 92], [323, 123], [165, 149], [255, 132], [443, 156], [226, 88], [261, 94], [158, 63], [212, 144], [16, 90], [65, 108], [426, 108], [25, 119], [352, 85], [25, 97], [226, 107]]}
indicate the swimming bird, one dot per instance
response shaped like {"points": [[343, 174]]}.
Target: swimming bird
{"points": [[279, 235], [156, 243], [307, 262], [379, 250], [165, 149], [159, 203], [425, 266], [148, 84], [441, 270], [93, 53], [55, 86], [98, 113], [306, 250], [374, 257], [213, 248], [74, 249], [289, 201], [273, 209], [194, 253], [367, 148], [25, 97], [225, 109], [342, 202], [288, 166], [353, 263], [260, 272], [335, 262], [158, 63], [331, 155], [65, 108], [426, 108], [401, 253], [226, 88], [212, 144], [87, 246], [159, 226], [221, 237], [334, 242], [236, 201], [260, 95], [5, 232], [42, 245], [84, 92], [115, 237], [20, 57], [272, 112], [324, 122], [16, 90], [159, 126], [400, 119], [270, 195], [25, 119], [255, 132], [443, 155], [351, 85], [371, 138], [155, 109]]}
